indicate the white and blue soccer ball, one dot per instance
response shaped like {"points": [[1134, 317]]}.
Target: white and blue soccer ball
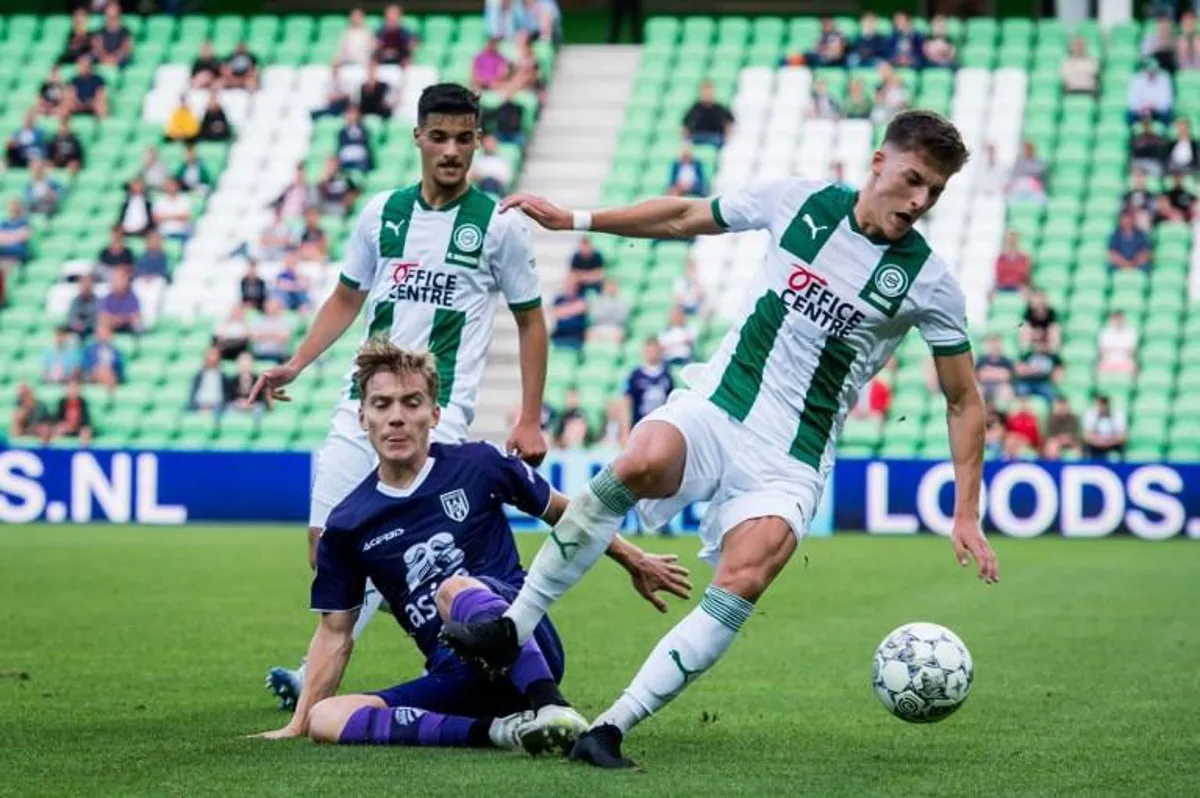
{"points": [[922, 672]]}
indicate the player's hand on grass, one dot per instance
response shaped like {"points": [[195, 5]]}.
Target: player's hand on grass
{"points": [[528, 442], [540, 209], [654, 573], [288, 732], [270, 384], [969, 543]]}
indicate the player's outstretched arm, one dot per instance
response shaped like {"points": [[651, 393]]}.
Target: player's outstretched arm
{"points": [[660, 217], [966, 422], [328, 655]]}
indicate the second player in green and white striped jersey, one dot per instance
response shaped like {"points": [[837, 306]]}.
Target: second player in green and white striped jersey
{"points": [[431, 277], [827, 309]]}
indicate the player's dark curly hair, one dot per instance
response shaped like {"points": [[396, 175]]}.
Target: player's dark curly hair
{"points": [[449, 99], [379, 354], [930, 134]]}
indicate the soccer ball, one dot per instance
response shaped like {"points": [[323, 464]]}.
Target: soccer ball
{"points": [[922, 672]]}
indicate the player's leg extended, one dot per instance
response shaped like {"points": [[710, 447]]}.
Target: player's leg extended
{"points": [[752, 555], [368, 720], [651, 466]]}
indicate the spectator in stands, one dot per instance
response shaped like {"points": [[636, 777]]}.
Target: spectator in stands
{"points": [[337, 191], [206, 69], [891, 96], [291, 287], [687, 176], [490, 171], [1063, 431], [822, 104], [337, 98], [65, 150], [26, 145], [84, 310], [73, 419], [678, 340], [61, 360], [88, 92], [571, 429], [1039, 324], [113, 43], [15, 235], [1104, 430], [1039, 372], [242, 384], [1028, 179], [649, 384], [1080, 70], [994, 371], [120, 309], [52, 95], [1117, 345], [79, 40], [102, 361], [991, 177], [830, 50], [296, 197], [570, 314], [137, 213], [939, 50], [708, 121], [870, 45], [354, 144], [1182, 154], [211, 389], [182, 124], [193, 175], [240, 70], [115, 255], [396, 44], [357, 45], [1182, 200], [314, 243], [1150, 92], [858, 105], [607, 314], [1139, 200], [1129, 246], [276, 239], [374, 96], [44, 193], [152, 264], [1013, 267], [1187, 44], [614, 430], [271, 333], [526, 72], [689, 293], [252, 288], [995, 430], [875, 400], [214, 125], [31, 416], [905, 46], [231, 336], [173, 213], [489, 67], [1159, 43], [1023, 422], [507, 120], [153, 171], [587, 266], [1147, 147]]}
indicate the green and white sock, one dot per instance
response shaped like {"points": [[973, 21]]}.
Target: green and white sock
{"points": [[582, 535], [688, 650]]}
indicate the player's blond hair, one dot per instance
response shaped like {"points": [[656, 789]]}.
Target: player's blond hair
{"points": [[379, 354]]}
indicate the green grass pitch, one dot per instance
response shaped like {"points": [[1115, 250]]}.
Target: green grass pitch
{"points": [[144, 652]]}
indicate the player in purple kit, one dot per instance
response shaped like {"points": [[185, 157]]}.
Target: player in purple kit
{"points": [[428, 529]]}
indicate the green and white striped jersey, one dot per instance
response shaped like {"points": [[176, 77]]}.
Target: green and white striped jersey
{"points": [[431, 279], [829, 307]]}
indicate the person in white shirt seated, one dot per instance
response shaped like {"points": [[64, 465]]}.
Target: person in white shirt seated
{"points": [[357, 44], [1118, 343], [490, 172], [173, 212], [678, 341]]}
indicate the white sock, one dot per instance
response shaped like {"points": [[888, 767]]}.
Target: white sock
{"points": [[584, 532], [372, 598], [688, 650]]}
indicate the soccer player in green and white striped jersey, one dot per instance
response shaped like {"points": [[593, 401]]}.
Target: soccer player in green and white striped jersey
{"points": [[427, 261], [844, 279]]}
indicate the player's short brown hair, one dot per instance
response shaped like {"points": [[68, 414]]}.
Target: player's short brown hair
{"points": [[379, 354], [930, 134]]}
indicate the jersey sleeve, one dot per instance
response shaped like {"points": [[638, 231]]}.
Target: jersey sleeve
{"points": [[943, 321], [362, 248], [750, 208], [338, 583], [513, 264], [516, 483]]}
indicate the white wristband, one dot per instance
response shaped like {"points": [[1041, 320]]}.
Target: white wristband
{"points": [[581, 220]]}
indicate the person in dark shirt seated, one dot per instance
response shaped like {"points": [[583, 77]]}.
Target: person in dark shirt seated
{"points": [[113, 43], [707, 121], [65, 150], [830, 49], [1181, 199], [116, 255], [336, 191], [570, 315], [870, 45], [906, 47], [587, 265], [52, 94], [994, 372], [152, 264], [102, 362], [89, 93], [1129, 247], [79, 40], [240, 70], [15, 235], [206, 69], [395, 43], [374, 98], [648, 385], [73, 419], [28, 144], [506, 121], [252, 288], [687, 176], [354, 144], [1039, 372], [939, 50], [214, 125]]}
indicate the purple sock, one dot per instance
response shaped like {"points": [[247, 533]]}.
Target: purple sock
{"points": [[481, 604], [408, 726]]}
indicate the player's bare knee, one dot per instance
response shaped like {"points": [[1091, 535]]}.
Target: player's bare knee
{"points": [[449, 589], [325, 722], [652, 464], [746, 580]]}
